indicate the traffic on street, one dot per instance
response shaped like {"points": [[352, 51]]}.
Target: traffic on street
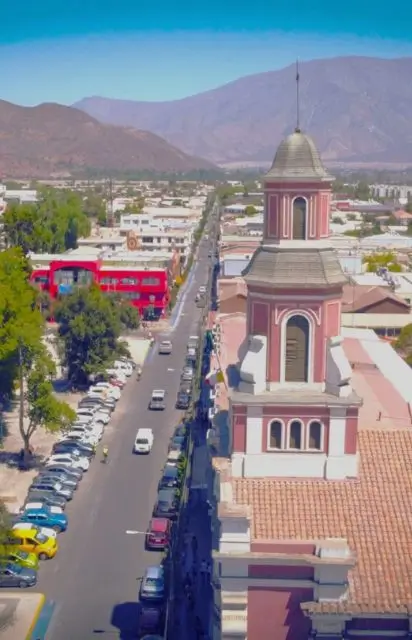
{"points": [[109, 563]]}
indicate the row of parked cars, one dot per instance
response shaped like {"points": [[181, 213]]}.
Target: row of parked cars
{"points": [[34, 531], [153, 588]]}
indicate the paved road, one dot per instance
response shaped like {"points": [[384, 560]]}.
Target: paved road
{"points": [[94, 579]]}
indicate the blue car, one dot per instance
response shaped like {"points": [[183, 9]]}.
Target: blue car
{"points": [[44, 517]]}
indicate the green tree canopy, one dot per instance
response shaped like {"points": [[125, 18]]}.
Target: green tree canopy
{"points": [[387, 259], [53, 224], [20, 320], [90, 324]]}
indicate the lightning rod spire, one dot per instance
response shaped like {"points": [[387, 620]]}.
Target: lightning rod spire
{"points": [[297, 129]]}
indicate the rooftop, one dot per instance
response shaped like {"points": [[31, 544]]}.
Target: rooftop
{"points": [[374, 513]]}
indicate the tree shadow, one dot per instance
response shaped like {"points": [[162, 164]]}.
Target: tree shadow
{"points": [[13, 460], [125, 618]]}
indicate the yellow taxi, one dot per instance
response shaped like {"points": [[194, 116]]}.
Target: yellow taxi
{"points": [[33, 541]]}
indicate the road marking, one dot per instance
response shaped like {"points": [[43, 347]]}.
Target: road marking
{"points": [[135, 533], [171, 370]]}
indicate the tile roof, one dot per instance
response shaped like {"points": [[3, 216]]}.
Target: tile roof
{"points": [[374, 513], [358, 297], [294, 268]]}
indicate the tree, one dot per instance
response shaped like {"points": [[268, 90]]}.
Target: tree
{"points": [[20, 320], [53, 224], [5, 522], [250, 210], [39, 408], [376, 261], [89, 325]]}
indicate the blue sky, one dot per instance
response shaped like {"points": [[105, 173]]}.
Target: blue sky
{"points": [[162, 50]]}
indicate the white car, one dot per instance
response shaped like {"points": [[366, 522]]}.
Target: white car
{"points": [[50, 533], [88, 433], [123, 367], [77, 436], [40, 505], [165, 347], [101, 392], [144, 441], [69, 460], [95, 416]]}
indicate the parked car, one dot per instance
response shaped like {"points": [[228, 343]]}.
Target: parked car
{"points": [[70, 446], [185, 387], [70, 460], [69, 483], [46, 518], [153, 585], [45, 547], [170, 477], [48, 498], [180, 431], [40, 505], [14, 575], [70, 472], [52, 486], [21, 558], [182, 400], [187, 374], [167, 504], [158, 400], [158, 533], [177, 443], [165, 347]]}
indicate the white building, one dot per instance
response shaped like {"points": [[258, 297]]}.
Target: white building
{"points": [[159, 234]]}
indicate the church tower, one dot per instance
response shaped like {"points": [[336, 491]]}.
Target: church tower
{"points": [[294, 413]]}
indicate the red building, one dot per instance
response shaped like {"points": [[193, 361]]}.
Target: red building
{"points": [[148, 289]]}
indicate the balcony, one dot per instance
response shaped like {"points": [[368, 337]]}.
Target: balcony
{"points": [[233, 623]]}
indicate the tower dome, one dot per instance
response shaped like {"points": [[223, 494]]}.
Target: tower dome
{"points": [[297, 158]]}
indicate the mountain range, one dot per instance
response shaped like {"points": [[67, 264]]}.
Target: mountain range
{"points": [[54, 140], [358, 109]]}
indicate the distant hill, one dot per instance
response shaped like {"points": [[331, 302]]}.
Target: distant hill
{"points": [[51, 139], [357, 109]]}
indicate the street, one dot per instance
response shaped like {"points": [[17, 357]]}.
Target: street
{"points": [[94, 579]]}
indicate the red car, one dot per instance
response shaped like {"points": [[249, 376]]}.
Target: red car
{"points": [[158, 533]]}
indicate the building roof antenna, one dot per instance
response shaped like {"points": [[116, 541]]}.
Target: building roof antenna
{"points": [[297, 129]]}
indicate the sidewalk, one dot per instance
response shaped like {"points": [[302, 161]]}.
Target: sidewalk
{"points": [[193, 585]]}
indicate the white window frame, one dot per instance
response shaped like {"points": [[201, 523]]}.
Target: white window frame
{"points": [[322, 436], [282, 437], [311, 345], [292, 213], [302, 435]]}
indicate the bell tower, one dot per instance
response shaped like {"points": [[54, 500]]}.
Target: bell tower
{"points": [[294, 375]]}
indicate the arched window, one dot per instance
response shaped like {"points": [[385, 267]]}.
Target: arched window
{"points": [[295, 435], [315, 435], [275, 434], [297, 349], [299, 219]]}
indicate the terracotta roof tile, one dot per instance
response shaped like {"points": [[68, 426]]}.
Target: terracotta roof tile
{"points": [[374, 513], [357, 297]]}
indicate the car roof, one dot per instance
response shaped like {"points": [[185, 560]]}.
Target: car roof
{"points": [[166, 342], [158, 392], [166, 494], [154, 572], [159, 524]]}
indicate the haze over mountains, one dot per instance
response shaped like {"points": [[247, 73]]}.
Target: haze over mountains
{"points": [[357, 109], [51, 139]]}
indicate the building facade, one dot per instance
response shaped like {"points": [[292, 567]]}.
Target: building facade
{"points": [[148, 289]]}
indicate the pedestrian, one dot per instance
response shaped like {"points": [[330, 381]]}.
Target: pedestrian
{"points": [[203, 569]]}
